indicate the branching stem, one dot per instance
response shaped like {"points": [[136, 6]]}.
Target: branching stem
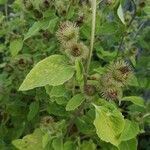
{"points": [[76, 114], [128, 26]]}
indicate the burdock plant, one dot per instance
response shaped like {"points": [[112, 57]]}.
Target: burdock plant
{"points": [[86, 94]]}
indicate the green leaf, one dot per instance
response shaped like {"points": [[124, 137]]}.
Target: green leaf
{"points": [[86, 31], [30, 142], [33, 30], [44, 25], [109, 123], [53, 70], [84, 125], [133, 81], [56, 109], [49, 24], [134, 99], [58, 91], [57, 144], [45, 140], [147, 8], [130, 131], [15, 46], [69, 145], [34, 108], [109, 105], [75, 102], [128, 145], [120, 14], [105, 55], [88, 145]]}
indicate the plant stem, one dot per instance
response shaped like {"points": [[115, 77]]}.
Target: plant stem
{"points": [[93, 3], [128, 26], [75, 115]]}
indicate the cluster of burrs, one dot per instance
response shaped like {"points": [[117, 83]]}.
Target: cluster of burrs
{"points": [[114, 80], [68, 36]]}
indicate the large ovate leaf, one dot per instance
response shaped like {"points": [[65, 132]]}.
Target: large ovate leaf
{"points": [[130, 131], [30, 142], [109, 123], [75, 102], [134, 99], [53, 70]]}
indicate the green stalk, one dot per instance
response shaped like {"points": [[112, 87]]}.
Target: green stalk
{"points": [[93, 3]]}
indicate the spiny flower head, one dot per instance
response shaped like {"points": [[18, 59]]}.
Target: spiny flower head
{"points": [[109, 88], [107, 80], [120, 71], [68, 32], [111, 93], [77, 50]]}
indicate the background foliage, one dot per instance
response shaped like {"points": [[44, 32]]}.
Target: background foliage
{"points": [[37, 119]]}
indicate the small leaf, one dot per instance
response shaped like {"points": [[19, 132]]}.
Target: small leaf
{"points": [[34, 108], [45, 140], [133, 81], [58, 91], [30, 142], [120, 14], [105, 55], [44, 25], [57, 144], [130, 131], [134, 99], [128, 145], [15, 46], [56, 109], [53, 70], [75, 102], [33, 30], [109, 123], [85, 31], [88, 145], [69, 145]]}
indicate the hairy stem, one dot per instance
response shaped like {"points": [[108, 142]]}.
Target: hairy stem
{"points": [[77, 112], [75, 115], [92, 34]]}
